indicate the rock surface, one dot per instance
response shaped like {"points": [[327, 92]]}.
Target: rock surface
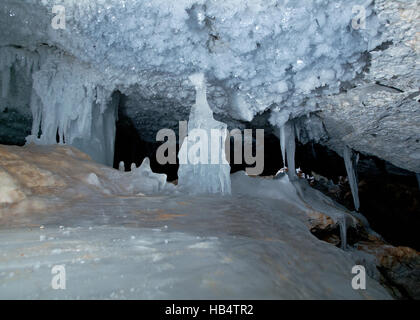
{"points": [[399, 266]]}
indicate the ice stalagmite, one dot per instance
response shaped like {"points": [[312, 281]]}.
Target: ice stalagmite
{"points": [[348, 161], [203, 165], [141, 180], [155, 181]]}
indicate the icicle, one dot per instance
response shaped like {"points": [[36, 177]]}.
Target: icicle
{"points": [[283, 144], [69, 98], [297, 131], [290, 151], [5, 80], [348, 161], [121, 166], [343, 232], [288, 147], [313, 150]]}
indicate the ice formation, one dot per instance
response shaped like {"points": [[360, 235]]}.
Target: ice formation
{"points": [[260, 54], [203, 165], [93, 180], [343, 232], [287, 136], [69, 102], [351, 174], [141, 180], [121, 166], [283, 57], [288, 146]]}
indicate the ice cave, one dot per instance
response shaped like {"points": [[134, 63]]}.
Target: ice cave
{"points": [[208, 149]]}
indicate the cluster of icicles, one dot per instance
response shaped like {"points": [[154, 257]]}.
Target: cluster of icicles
{"points": [[288, 149]]}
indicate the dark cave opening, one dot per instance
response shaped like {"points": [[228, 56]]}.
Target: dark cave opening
{"points": [[15, 111], [130, 147], [272, 156], [14, 127]]}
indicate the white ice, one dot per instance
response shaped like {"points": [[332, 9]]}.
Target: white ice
{"points": [[141, 180], [287, 135], [203, 166]]}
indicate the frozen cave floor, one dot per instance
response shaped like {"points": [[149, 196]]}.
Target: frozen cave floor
{"points": [[253, 244]]}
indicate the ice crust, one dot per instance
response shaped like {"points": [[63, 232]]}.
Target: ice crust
{"points": [[256, 55]]}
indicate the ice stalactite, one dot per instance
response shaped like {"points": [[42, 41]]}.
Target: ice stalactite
{"points": [[67, 100], [283, 144], [348, 161], [203, 165], [290, 150], [343, 232], [288, 146]]}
